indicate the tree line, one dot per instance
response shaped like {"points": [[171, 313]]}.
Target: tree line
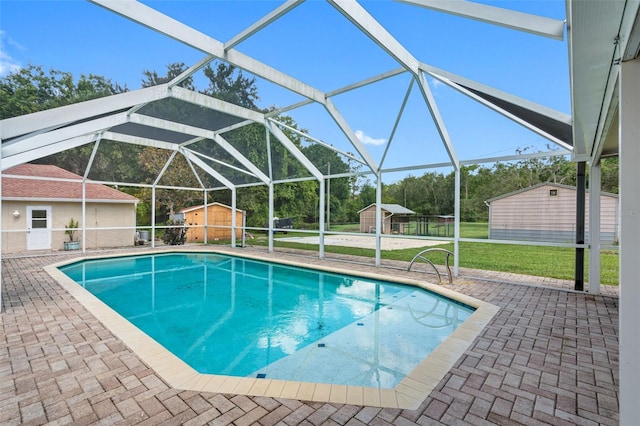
{"points": [[32, 89], [433, 192]]}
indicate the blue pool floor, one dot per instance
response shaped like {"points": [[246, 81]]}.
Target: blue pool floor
{"points": [[355, 354]]}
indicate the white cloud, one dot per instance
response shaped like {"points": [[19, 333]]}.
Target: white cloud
{"points": [[368, 140], [436, 84], [7, 63]]}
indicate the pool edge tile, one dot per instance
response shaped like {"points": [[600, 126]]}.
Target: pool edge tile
{"points": [[290, 390], [355, 395], [305, 391], [322, 392], [338, 394]]}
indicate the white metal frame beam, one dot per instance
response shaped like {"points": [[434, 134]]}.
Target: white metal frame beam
{"points": [[63, 134], [261, 23], [437, 119], [359, 17], [202, 133], [293, 149], [348, 132], [534, 24], [164, 24], [137, 140], [222, 163], [25, 124], [216, 104], [45, 150], [204, 166], [319, 142], [455, 82]]}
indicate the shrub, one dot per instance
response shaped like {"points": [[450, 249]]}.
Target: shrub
{"points": [[176, 234]]}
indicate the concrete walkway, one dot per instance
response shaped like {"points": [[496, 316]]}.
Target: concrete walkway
{"points": [[550, 356]]}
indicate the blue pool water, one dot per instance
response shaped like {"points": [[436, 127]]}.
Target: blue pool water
{"points": [[234, 316]]}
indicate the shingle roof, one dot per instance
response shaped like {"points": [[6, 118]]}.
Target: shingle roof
{"points": [[16, 188], [392, 208]]}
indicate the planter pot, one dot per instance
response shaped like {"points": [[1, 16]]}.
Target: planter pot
{"points": [[72, 245]]}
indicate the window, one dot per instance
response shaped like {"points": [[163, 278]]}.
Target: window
{"points": [[553, 193], [39, 219]]}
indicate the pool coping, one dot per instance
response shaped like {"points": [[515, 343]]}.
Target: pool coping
{"points": [[408, 394]]}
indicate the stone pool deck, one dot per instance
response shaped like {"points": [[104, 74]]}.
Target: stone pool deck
{"points": [[550, 356]]}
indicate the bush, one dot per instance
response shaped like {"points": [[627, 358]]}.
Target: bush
{"points": [[176, 235]]}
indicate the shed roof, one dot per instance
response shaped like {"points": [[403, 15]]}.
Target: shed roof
{"points": [[391, 208], [30, 187], [541, 184], [201, 207]]}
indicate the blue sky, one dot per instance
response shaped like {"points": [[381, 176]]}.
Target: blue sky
{"points": [[317, 45]]}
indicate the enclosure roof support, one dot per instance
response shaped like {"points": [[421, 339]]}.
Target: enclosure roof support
{"points": [[204, 166], [50, 149], [162, 23], [534, 24], [262, 23], [344, 126], [64, 134], [197, 131], [216, 104], [64, 115], [359, 17], [290, 146], [437, 119]]}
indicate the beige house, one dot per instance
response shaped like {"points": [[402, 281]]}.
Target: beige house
{"points": [[218, 222], [394, 218], [547, 212], [35, 211]]}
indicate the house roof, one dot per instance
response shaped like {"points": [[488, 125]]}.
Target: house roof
{"points": [[201, 207], [31, 188], [538, 185], [392, 208]]}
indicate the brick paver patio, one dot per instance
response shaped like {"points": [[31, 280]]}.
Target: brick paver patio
{"points": [[550, 356]]}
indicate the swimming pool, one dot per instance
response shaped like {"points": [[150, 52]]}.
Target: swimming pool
{"points": [[310, 326]]}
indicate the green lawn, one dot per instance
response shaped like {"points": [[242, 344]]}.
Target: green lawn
{"points": [[553, 262]]}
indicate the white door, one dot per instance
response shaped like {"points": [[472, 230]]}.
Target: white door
{"points": [[38, 227]]}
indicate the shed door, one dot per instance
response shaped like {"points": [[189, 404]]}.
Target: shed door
{"points": [[38, 227]]}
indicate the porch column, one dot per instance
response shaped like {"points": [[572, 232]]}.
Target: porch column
{"points": [[153, 216], [594, 228], [456, 225], [234, 224], [379, 223], [629, 155], [205, 238], [270, 215], [580, 208]]}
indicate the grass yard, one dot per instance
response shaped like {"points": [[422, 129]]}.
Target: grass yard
{"points": [[553, 262]]}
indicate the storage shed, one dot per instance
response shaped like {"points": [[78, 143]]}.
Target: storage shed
{"points": [[547, 212], [35, 211], [394, 218], [218, 222]]}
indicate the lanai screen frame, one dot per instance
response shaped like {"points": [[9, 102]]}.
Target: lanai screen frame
{"points": [[90, 122]]}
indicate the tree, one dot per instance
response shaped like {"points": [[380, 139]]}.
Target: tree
{"points": [[178, 173], [173, 70], [230, 85], [32, 89]]}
